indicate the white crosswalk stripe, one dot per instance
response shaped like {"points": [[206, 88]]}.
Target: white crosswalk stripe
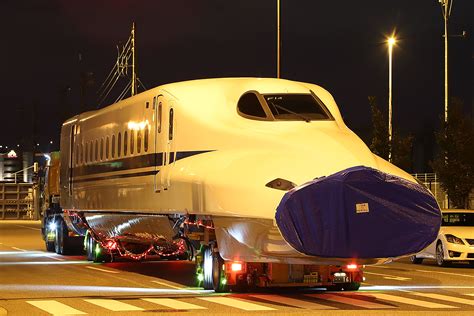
{"points": [[55, 308], [113, 305], [409, 301], [237, 303], [172, 303], [446, 298], [350, 301], [292, 302]]}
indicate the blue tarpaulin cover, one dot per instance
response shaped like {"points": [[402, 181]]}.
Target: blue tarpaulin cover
{"points": [[359, 212]]}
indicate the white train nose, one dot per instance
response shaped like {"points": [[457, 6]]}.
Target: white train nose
{"points": [[359, 212]]}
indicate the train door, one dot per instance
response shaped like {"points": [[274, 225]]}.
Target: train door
{"points": [[165, 153]]}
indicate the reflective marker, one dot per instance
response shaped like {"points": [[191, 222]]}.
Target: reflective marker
{"points": [[171, 303], [114, 305], [240, 304], [55, 308]]}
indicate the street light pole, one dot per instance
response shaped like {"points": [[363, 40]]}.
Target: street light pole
{"points": [[391, 41], [278, 39], [446, 6]]}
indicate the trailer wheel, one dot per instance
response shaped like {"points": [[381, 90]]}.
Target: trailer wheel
{"points": [[218, 273], [50, 244], [61, 238], [89, 247], [207, 268]]}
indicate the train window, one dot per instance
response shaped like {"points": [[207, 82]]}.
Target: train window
{"points": [[119, 144], [250, 105], [91, 149], [145, 140], [77, 155], [132, 141], [291, 106], [160, 108], [107, 147], [147, 104], [139, 141], [125, 143], [170, 135], [102, 149], [81, 154], [154, 103], [96, 151], [113, 146], [86, 153]]}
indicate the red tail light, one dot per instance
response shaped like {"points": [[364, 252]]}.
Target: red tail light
{"points": [[236, 267], [352, 266]]}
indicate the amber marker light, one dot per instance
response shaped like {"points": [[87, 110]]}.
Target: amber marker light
{"points": [[352, 266], [236, 267]]}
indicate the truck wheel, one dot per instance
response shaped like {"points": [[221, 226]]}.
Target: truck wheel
{"points": [[218, 273], [50, 244], [207, 263], [89, 247], [353, 286], [416, 260], [61, 239]]}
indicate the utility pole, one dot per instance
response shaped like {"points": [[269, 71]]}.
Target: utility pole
{"points": [[134, 74], [446, 6], [278, 40]]}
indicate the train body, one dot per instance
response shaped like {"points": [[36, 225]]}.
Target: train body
{"points": [[239, 169]]}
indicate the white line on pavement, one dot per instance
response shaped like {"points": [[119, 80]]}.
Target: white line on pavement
{"points": [[291, 301], [448, 273], [55, 308], [171, 303], [19, 249], [32, 228], [446, 298], [103, 270], [349, 301], [388, 276], [113, 305], [237, 303], [409, 301], [173, 286]]}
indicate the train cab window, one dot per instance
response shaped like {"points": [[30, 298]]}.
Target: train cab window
{"points": [[119, 144], [139, 141], [160, 109], [107, 147], [132, 141], [125, 143], [101, 149], [96, 151], [292, 106], [250, 106], [154, 103], [170, 134], [145, 139], [113, 146], [147, 105]]}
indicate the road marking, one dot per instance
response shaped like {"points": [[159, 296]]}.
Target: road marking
{"points": [[292, 302], [469, 294], [113, 305], [240, 304], [409, 301], [388, 276], [171, 303], [19, 249], [446, 298], [32, 228], [174, 287], [349, 301], [55, 258], [55, 308], [103, 270], [448, 273]]}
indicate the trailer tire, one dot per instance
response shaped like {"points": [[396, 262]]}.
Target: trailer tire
{"points": [[207, 268], [89, 247], [218, 273], [61, 238]]}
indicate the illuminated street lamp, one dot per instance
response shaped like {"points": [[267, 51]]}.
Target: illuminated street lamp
{"points": [[390, 41], [446, 6], [278, 39]]}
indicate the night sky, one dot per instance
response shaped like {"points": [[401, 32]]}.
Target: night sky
{"points": [[48, 45]]}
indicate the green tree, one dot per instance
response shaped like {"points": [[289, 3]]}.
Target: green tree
{"points": [[454, 163], [380, 145]]}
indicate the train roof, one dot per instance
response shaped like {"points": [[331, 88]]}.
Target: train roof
{"points": [[209, 96]]}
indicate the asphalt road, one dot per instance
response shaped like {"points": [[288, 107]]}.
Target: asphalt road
{"points": [[35, 282]]}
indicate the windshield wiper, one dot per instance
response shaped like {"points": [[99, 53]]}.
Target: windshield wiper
{"points": [[306, 119]]}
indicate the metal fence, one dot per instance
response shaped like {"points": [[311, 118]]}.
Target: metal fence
{"points": [[16, 201], [431, 181]]}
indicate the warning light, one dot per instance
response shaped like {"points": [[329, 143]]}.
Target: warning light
{"points": [[236, 267], [352, 266]]}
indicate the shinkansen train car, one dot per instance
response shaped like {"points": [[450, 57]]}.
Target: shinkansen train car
{"points": [[249, 174]]}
